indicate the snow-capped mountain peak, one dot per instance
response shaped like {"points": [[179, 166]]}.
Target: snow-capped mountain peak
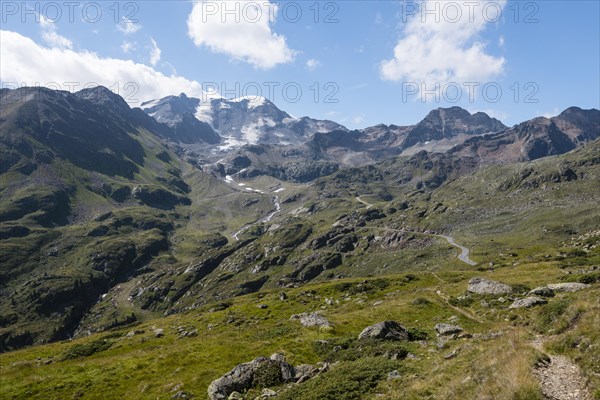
{"points": [[238, 121]]}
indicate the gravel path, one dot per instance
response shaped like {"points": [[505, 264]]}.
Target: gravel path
{"points": [[561, 379]]}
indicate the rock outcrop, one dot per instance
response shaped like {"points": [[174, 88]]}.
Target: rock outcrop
{"points": [[447, 329], [486, 286], [528, 302], [311, 319], [387, 330], [260, 371], [543, 291], [568, 286]]}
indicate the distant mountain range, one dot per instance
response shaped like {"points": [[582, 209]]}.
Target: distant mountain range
{"points": [[220, 131], [229, 124], [251, 136]]}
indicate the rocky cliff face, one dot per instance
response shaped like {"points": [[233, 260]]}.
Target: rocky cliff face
{"points": [[536, 138]]}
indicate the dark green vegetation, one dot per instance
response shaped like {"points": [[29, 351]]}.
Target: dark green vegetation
{"points": [[108, 228]]}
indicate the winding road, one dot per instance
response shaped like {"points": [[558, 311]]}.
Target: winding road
{"points": [[369, 205], [464, 252]]}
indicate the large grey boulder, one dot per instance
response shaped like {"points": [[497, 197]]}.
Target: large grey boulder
{"points": [[244, 376], [311, 319], [387, 330], [486, 286], [447, 329], [568, 286], [528, 302]]}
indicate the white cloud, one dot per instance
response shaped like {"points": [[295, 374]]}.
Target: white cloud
{"points": [[128, 46], [358, 119], [552, 113], [501, 41], [170, 66], [51, 36], [351, 121], [127, 26], [444, 51], [25, 62], [245, 36], [312, 64], [154, 53]]}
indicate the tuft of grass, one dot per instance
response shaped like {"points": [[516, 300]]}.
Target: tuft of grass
{"points": [[498, 369], [87, 349], [555, 317], [351, 349], [349, 381]]}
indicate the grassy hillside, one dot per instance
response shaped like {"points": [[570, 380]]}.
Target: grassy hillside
{"points": [[494, 363]]}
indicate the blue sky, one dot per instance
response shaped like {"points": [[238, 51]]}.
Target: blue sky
{"points": [[372, 58]]}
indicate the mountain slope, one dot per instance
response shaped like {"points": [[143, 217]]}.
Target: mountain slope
{"points": [[536, 138], [178, 112], [69, 161], [442, 128]]}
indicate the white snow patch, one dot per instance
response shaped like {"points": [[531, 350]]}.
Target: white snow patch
{"points": [[149, 104], [266, 121], [228, 178], [290, 120], [251, 133], [322, 128], [279, 190], [253, 101], [241, 184], [230, 142], [204, 113]]}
